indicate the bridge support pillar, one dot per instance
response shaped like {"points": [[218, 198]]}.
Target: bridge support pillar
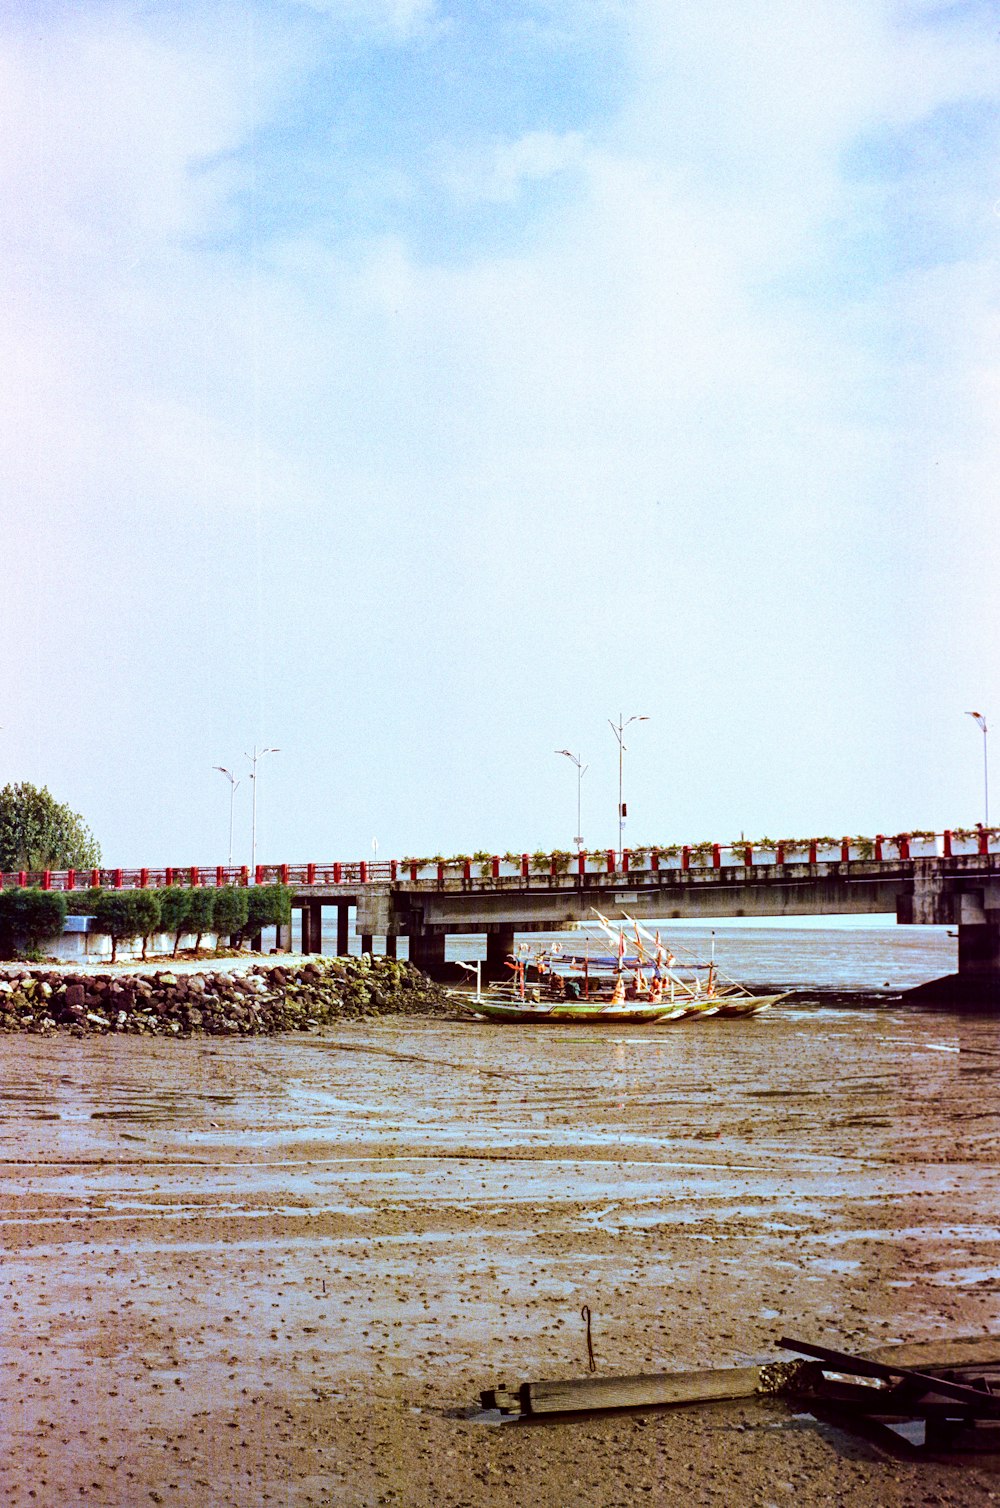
{"points": [[976, 986], [283, 938], [367, 943], [499, 945], [427, 952], [312, 927], [390, 945], [343, 922]]}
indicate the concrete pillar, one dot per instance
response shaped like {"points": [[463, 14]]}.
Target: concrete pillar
{"points": [[427, 952], [342, 926], [976, 986], [283, 937], [312, 927], [390, 945], [367, 942], [979, 951], [499, 946]]}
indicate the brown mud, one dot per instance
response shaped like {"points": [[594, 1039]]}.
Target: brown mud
{"points": [[279, 1270]]}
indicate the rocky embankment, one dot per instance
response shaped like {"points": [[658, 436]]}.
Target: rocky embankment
{"points": [[262, 999]]}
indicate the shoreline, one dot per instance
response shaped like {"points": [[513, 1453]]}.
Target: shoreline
{"points": [[282, 1269]]}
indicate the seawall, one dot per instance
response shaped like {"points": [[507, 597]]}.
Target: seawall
{"points": [[260, 1000]]}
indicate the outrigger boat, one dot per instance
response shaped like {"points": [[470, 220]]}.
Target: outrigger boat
{"points": [[642, 981]]}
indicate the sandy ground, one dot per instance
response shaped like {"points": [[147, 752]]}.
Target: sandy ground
{"points": [[280, 1271]]}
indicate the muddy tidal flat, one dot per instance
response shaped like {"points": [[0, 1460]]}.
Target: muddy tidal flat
{"points": [[280, 1270]]}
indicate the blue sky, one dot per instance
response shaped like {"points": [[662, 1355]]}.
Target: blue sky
{"points": [[415, 386]]}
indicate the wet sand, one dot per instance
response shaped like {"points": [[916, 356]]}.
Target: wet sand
{"points": [[280, 1270]]}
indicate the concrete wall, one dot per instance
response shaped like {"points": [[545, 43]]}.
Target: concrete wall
{"points": [[81, 941]]}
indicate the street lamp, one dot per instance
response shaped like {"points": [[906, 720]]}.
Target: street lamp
{"points": [[581, 770], [980, 719], [618, 730], [253, 758], [233, 783]]}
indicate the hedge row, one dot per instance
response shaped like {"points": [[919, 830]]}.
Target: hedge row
{"points": [[29, 917]]}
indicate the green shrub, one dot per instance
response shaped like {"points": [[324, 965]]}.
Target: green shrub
{"points": [[231, 910], [29, 917], [267, 906], [82, 902], [121, 915], [147, 910], [201, 913], [175, 905]]}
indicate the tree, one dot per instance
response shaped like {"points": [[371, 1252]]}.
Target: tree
{"points": [[147, 914], [120, 915], [267, 906], [231, 910], [28, 917], [175, 906], [201, 910], [37, 832]]}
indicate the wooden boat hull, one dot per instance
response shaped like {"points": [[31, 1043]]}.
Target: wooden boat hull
{"points": [[576, 1013]]}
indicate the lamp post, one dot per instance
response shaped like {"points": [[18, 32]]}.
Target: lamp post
{"points": [[253, 758], [233, 783], [980, 719], [618, 729], [581, 770]]}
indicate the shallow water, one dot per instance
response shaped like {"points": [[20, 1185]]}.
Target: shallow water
{"points": [[840, 956]]}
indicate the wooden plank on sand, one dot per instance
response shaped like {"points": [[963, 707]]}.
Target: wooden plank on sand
{"points": [[645, 1390]]}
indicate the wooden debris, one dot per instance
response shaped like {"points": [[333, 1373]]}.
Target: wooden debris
{"points": [[644, 1390], [941, 1396], [912, 1388]]}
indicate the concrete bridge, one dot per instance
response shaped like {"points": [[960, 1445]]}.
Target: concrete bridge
{"points": [[946, 879], [962, 891]]}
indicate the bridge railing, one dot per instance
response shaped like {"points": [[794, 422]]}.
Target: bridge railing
{"points": [[525, 867]]}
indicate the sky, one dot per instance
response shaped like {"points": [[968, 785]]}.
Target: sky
{"points": [[414, 386]]}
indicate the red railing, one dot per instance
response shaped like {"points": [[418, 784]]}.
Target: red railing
{"points": [[523, 868]]}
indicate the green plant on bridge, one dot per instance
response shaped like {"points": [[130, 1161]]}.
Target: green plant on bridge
{"points": [[484, 861]]}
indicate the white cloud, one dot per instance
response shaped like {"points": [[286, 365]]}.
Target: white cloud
{"points": [[398, 18], [629, 409], [499, 173]]}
